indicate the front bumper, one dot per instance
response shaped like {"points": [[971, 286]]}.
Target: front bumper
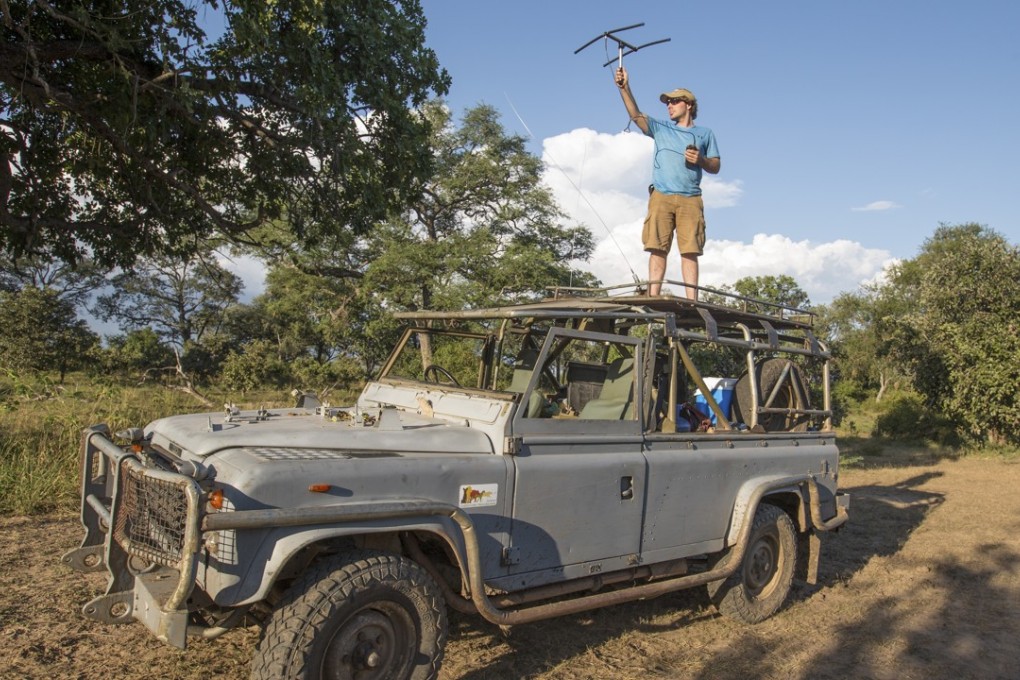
{"points": [[141, 527]]}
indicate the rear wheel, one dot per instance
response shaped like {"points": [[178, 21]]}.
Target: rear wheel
{"points": [[758, 588], [363, 616]]}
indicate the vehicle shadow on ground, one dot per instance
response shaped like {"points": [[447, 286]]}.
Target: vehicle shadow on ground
{"points": [[883, 518], [965, 637], [537, 648]]}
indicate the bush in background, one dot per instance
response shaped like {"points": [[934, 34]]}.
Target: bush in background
{"points": [[904, 417]]}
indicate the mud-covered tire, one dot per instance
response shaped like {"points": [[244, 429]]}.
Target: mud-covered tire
{"points": [[758, 588], [364, 615]]}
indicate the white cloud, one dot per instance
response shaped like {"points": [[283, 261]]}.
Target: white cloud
{"points": [[823, 270], [877, 206], [252, 272], [601, 180], [719, 194]]}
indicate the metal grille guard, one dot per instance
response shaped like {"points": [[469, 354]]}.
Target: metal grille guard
{"points": [[154, 515]]}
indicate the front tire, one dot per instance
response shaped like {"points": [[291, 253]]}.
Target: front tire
{"points": [[363, 615], [758, 588]]}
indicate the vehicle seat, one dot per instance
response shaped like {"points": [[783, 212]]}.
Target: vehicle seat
{"points": [[524, 366], [617, 393]]}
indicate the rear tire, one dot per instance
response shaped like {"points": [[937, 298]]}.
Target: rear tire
{"points": [[363, 615], [758, 588]]}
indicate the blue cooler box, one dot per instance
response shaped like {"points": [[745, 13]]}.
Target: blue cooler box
{"points": [[722, 391]]}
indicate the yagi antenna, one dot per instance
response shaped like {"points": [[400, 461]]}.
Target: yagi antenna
{"points": [[620, 43]]}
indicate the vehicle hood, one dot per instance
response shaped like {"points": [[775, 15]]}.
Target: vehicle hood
{"points": [[344, 430]]}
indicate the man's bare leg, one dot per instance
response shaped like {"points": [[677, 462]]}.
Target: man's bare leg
{"points": [[656, 271], [689, 267]]}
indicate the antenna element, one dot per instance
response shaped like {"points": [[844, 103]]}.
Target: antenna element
{"points": [[620, 44]]}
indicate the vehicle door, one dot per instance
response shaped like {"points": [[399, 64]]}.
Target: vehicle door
{"points": [[578, 464]]}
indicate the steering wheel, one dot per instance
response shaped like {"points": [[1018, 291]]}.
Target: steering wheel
{"points": [[433, 371]]}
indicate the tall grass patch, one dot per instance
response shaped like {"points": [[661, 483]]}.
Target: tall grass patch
{"points": [[41, 426]]}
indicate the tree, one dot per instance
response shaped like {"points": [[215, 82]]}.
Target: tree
{"points": [[72, 283], [181, 299], [39, 331], [304, 314], [303, 330], [778, 290], [861, 329], [125, 129], [485, 229], [961, 338], [140, 351], [773, 290]]}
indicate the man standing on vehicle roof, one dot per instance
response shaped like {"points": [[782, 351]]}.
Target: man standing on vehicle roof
{"points": [[682, 151]]}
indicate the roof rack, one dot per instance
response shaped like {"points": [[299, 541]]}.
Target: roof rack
{"points": [[728, 302]]}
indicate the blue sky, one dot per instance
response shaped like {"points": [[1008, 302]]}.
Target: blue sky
{"points": [[848, 131]]}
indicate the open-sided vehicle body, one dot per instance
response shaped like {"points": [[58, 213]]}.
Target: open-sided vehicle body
{"points": [[520, 463]]}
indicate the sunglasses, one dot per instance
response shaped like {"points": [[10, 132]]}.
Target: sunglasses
{"points": [[677, 100]]}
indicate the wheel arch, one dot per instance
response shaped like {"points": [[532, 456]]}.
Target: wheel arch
{"points": [[285, 551], [785, 492], [802, 499]]}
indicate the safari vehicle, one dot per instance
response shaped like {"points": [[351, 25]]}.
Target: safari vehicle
{"points": [[517, 463]]}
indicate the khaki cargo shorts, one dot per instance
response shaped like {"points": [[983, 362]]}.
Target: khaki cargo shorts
{"points": [[675, 212]]}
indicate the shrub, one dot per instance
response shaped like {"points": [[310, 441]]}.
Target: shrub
{"points": [[255, 365], [905, 418]]}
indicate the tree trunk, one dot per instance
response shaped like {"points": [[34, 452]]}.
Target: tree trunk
{"points": [[883, 384]]}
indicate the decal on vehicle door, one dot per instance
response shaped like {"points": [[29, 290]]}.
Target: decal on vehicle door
{"points": [[478, 495]]}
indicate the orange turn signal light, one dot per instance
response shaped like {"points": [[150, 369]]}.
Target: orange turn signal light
{"points": [[216, 499], [319, 488]]}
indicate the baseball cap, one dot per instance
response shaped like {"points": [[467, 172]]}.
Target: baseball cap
{"points": [[679, 93]]}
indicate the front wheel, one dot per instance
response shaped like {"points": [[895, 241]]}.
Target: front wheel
{"points": [[758, 588], [363, 615]]}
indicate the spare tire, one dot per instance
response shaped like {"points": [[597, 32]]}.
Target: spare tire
{"points": [[768, 374]]}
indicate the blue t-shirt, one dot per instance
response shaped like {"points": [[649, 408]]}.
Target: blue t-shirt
{"points": [[670, 173]]}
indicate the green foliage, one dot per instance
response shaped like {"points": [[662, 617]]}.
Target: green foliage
{"points": [[128, 130], [960, 339], [485, 231], [849, 393], [750, 292], [905, 418], [203, 360], [71, 283], [181, 298], [256, 365], [41, 332], [139, 352], [305, 313], [779, 290], [717, 361], [861, 331], [343, 375]]}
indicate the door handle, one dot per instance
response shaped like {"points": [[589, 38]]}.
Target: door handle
{"points": [[627, 487]]}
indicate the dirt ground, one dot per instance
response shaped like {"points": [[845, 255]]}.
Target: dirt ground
{"points": [[923, 583]]}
